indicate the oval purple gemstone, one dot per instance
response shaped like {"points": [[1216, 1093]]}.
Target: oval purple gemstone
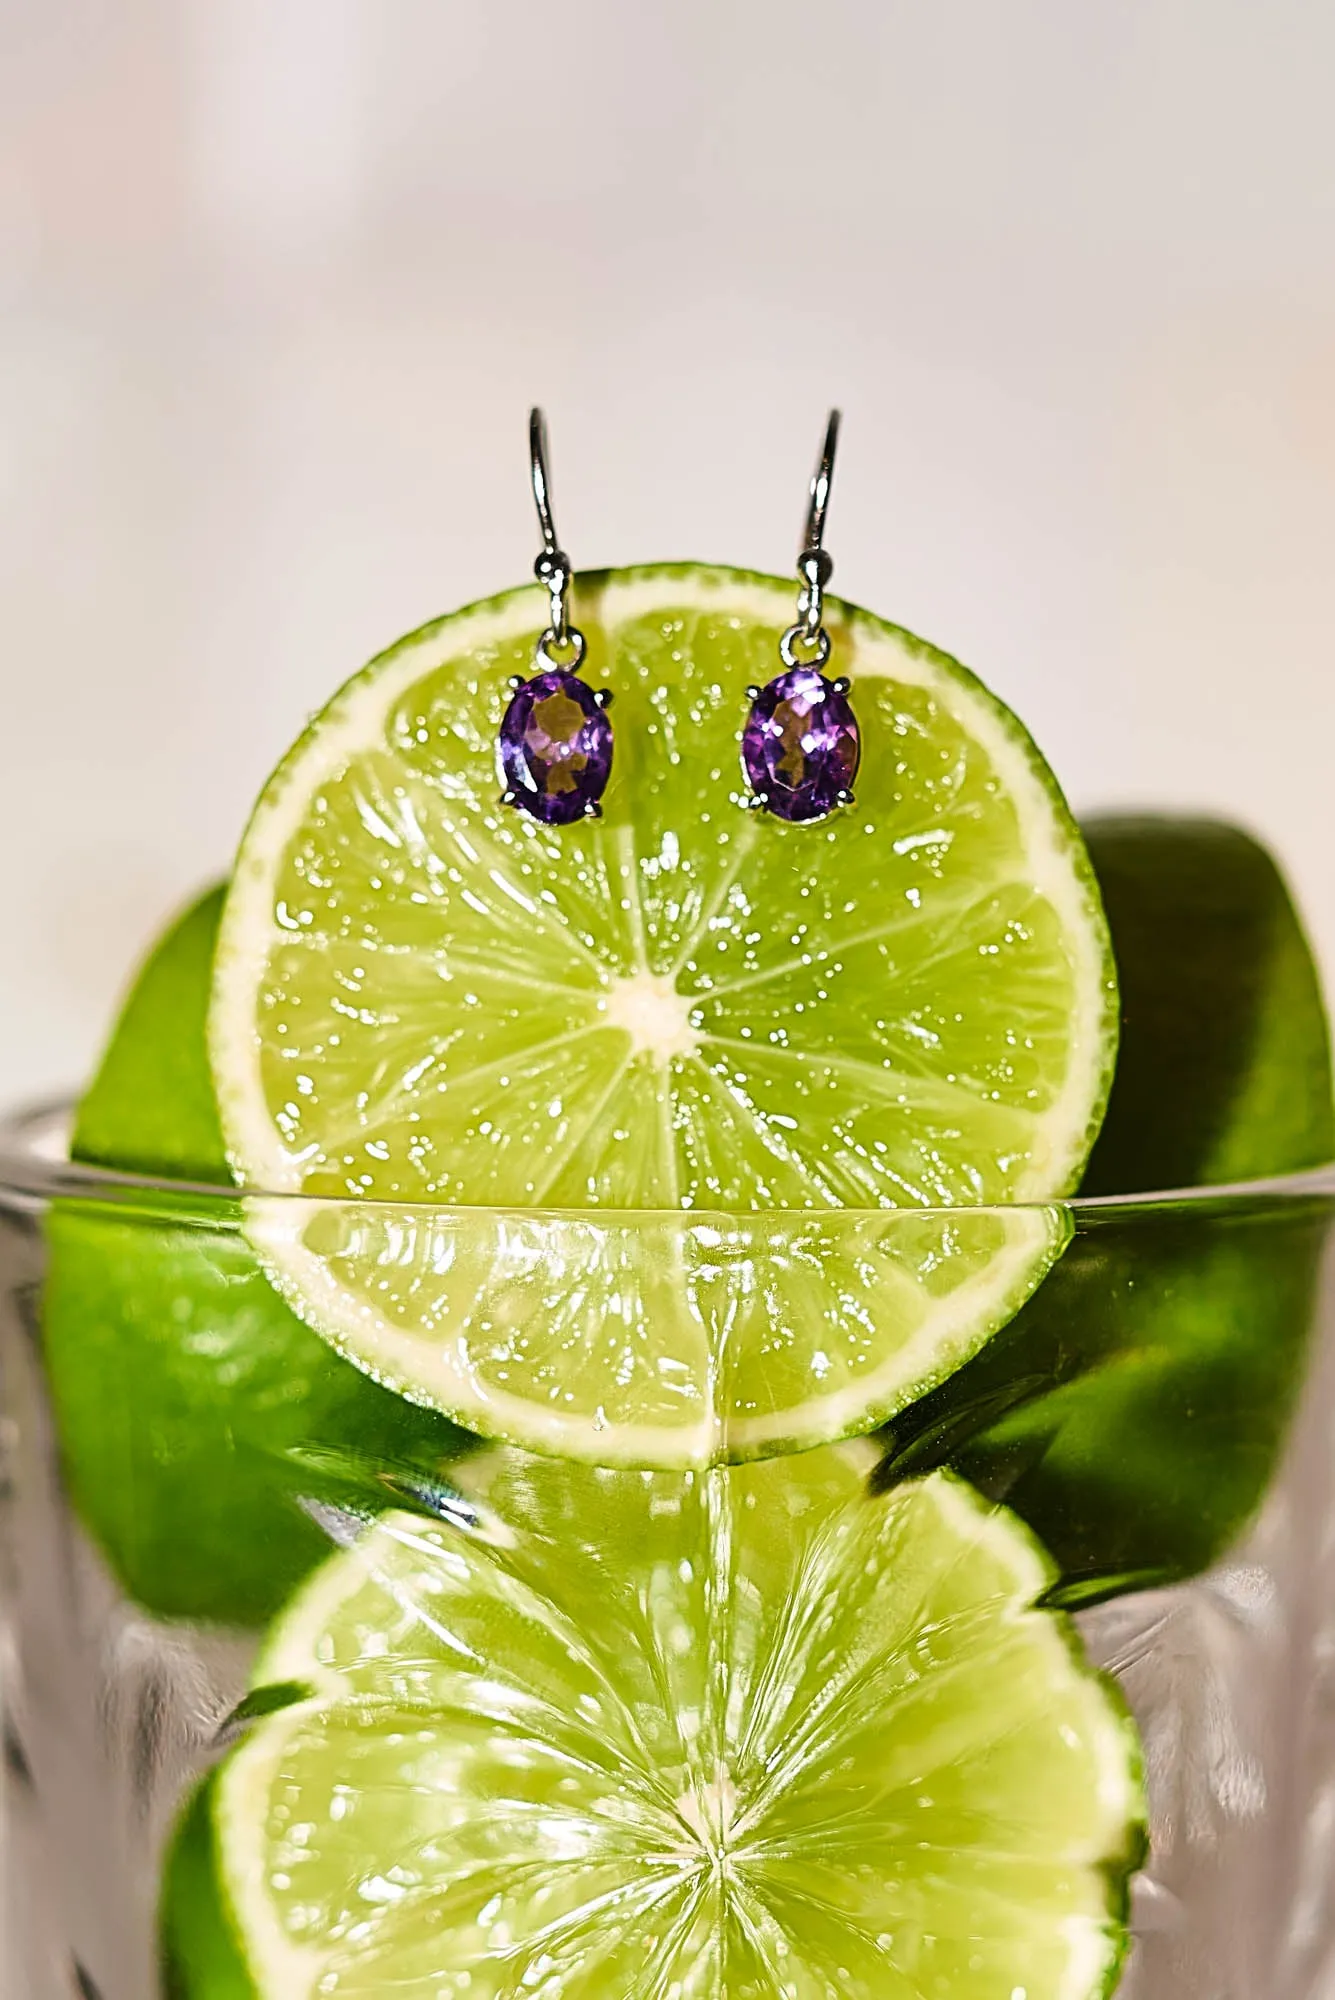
{"points": [[801, 745], [555, 748]]}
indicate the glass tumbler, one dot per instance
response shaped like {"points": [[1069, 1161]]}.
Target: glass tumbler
{"points": [[177, 1452]]}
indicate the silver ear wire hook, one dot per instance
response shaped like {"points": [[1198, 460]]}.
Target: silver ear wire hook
{"points": [[814, 565], [552, 567]]}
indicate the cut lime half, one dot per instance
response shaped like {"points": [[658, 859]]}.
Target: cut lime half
{"points": [[748, 1732], [429, 1004]]}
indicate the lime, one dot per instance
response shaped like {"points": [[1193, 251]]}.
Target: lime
{"points": [[1224, 1071], [1134, 1411], [195, 1411], [150, 1109], [423, 997], [741, 1732]]}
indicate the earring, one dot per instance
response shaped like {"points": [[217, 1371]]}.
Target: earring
{"points": [[555, 744], [801, 744]]}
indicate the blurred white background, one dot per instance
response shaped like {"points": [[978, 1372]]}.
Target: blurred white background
{"points": [[279, 279]]}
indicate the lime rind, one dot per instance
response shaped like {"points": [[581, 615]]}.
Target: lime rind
{"points": [[1075, 1937]]}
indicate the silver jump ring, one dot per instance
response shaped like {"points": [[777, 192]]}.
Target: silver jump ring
{"points": [[817, 645], [552, 570], [572, 646]]}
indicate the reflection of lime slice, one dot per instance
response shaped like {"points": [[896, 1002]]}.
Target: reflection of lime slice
{"points": [[191, 1404], [422, 996], [1134, 1410], [746, 1733]]}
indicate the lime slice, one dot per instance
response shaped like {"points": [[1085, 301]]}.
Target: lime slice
{"points": [[743, 1732], [423, 997], [195, 1411], [1134, 1411]]}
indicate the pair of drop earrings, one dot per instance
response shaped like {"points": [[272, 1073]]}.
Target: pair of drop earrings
{"points": [[800, 744]]}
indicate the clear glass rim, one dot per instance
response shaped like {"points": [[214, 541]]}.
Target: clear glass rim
{"points": [[35, 1168]]}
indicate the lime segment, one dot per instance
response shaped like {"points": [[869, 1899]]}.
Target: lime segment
{"points": [[424, 998], [743, 1732]]}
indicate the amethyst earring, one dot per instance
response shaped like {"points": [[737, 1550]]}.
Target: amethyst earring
{"points": [[555, 743], [801, 744]]}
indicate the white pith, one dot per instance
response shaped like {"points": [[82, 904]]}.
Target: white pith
{"points": [[656, 1017]]}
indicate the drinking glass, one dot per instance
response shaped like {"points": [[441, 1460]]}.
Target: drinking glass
{"points": [[1160, 1412]]}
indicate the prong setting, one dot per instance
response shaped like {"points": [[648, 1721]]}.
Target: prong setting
{"points": [[801, 746]]}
